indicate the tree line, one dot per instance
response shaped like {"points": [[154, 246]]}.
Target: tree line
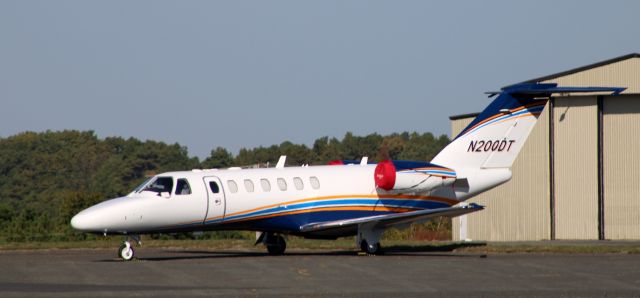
{"points": [[47, 177]]}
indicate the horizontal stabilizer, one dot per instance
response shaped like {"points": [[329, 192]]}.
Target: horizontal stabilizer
{"points": [[387, 220], [548, 89]]}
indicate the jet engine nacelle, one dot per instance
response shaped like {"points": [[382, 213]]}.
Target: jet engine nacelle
{"points": [[410, 176]]}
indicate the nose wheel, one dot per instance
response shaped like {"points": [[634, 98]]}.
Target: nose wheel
{"points": [[126, 252]]}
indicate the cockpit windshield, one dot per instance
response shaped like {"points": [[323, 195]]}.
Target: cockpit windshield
{"points": [[160, 184], [142, 185]]}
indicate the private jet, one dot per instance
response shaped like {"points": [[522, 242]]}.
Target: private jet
{"points": [[344, 198]]}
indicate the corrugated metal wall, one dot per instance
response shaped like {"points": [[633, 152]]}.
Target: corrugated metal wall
{"points": [[456, 127], [625, 73], [576, 167], [621, 166], [518, 209]]}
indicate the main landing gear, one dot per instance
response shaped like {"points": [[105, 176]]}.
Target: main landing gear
{"points": [[368, 239], [276, 245], [370, 248], [126, 252]]}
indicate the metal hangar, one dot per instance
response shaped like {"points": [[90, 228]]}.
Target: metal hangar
{"points": [[578, 175]]}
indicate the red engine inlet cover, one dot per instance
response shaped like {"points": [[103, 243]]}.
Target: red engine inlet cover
{"points": [[385, 175]]}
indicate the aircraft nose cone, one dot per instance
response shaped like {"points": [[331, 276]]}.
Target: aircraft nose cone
{"points": [[89, 220], [106, 216], [80, 222]]}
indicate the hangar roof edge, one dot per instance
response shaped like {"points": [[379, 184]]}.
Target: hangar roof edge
{"points": [[557, 75], [579, 69]]}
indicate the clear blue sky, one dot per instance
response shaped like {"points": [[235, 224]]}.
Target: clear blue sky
{"points": [[248, 73]]}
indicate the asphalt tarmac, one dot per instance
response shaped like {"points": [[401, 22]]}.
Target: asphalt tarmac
{"points": [[167, 272]]}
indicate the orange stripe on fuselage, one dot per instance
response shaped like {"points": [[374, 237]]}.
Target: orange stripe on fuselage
{"points": [[433, 168], [324, 209], [344, 208], [413, 197]]}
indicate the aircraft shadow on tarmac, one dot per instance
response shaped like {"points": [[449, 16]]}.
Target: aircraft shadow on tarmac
{"points": [[398, 250]]}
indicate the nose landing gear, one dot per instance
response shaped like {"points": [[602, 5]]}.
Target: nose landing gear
{"points": [[126, 252]]}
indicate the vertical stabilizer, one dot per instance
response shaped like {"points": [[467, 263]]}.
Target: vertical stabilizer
{"points": [[496, 136]]}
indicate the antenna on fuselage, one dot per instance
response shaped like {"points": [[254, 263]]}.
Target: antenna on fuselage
{"points": [[281, 161]]}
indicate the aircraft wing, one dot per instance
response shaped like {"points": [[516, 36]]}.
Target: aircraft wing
{"points": [[387, 220]]}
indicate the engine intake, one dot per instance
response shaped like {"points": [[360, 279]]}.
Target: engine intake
{"points": [[412, 176]]}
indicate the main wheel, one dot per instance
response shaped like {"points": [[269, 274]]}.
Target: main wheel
{"points": [[126, 252], [277, 247], [372, 249]]}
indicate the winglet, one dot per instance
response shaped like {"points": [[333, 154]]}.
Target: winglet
{"points": [[281, 162]]}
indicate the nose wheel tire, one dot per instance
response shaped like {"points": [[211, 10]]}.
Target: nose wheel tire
{"points": [[277, 247], [126, 252]]}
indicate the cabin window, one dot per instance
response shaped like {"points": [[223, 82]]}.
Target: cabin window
{"points": [[161, 184], [248, 185], [182, 187], [233, 187], [315, 183], [266, 186], [297, 182], [214, 187], [282, 185]]}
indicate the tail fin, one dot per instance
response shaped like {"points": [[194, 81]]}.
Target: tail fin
{"points": [[495, 137]]}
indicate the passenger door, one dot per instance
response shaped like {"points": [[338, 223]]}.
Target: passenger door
{"points": [[215, 200]]}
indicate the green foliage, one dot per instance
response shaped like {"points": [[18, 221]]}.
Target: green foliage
{"points": [[438, 228], [46, 178], [326, 150], [404, 146], [236, 235], [219, 158]]}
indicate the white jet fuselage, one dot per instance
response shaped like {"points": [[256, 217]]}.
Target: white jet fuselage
{"points": [[265, 199]]}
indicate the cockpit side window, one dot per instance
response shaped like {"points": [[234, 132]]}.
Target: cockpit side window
{"points": [[182, 187], [161, 184]]}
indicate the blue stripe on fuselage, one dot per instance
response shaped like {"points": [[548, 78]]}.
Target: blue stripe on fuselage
{"points": [[292, 222], [397, 203]]}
